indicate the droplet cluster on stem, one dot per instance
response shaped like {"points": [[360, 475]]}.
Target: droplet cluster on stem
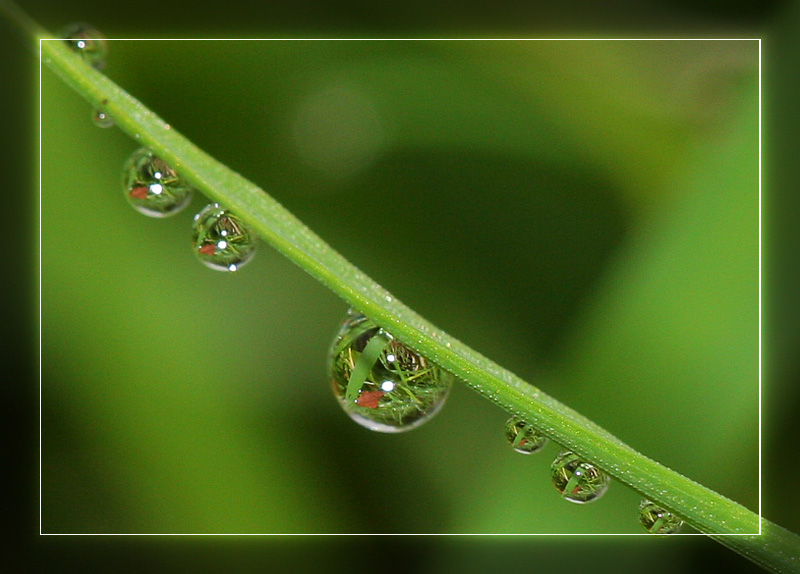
{"points": [[220, 240]]}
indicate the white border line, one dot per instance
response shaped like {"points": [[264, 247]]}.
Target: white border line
{"points": [[40, 285], [643, 534], [760, 301]]}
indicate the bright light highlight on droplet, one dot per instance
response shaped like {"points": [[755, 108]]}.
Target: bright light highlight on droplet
{"points": [[387, 386], [222, 244], [156, 188]]}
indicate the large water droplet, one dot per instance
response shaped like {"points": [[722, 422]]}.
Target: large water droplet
{"points": [[101, 119], [152, 187], [523, 437], [577, 480], [88, 42], [657, 520], [221, 240], [381, 383]]}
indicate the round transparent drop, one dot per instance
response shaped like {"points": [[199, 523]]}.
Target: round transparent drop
{"points": [[523, 438], [152, 187], [381, 383], [577, 480], [88, 42], [657, 520], [221, 240], [101, 119]]}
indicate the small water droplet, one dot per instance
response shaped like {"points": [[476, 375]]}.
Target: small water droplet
{"points": [[657, 520], [381, 383], [152, 187], [221, 240], [88, 42], [523, 437], [101, 119], [577, 480]]}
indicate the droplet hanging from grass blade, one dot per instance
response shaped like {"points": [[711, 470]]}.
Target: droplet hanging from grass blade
{"points": [[577, 480], [221, 240], [381, 383], [101, 119], [522, 437], [88, 42], [152, 187], [657, 520]]}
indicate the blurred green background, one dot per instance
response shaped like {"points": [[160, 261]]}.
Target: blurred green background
{"points": [[584, 213]]}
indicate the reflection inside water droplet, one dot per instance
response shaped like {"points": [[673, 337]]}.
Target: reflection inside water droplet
{"points": [[522, 437], [657, 520], [228, 254], [577, 480], [152, 187], [381, 383]]}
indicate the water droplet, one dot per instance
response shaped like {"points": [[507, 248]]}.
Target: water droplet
{"points": [[381, 383], [101, 119], [657, 520], [152, 187], [221, 240], [523, 437], [88, 42], [577, 480]]}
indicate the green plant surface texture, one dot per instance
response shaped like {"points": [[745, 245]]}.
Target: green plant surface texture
{"points": [[222, 375]]}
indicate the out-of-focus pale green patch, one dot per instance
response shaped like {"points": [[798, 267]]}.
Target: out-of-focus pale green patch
{"points": [[670, 348]]}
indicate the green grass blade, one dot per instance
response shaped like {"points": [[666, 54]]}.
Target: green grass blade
{"points": [[364, 364]]}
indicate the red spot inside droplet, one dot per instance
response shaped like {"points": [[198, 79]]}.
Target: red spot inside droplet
{"points": [[139, 192], [208, 249], [370, 399]]}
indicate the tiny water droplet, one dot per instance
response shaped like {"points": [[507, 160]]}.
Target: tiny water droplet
{"points": [[577, 480], [88, 42], [101, 119], [381, 383], [657, 520], [152, 187], [221, 240], [522, 437]]}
